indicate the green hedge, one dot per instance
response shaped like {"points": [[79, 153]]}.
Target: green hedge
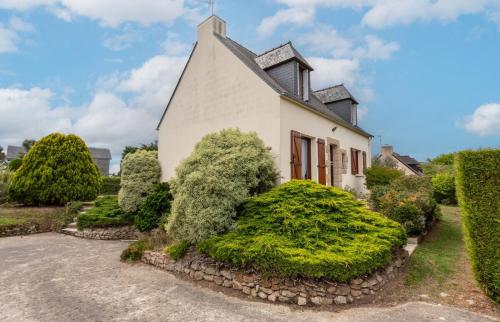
{"points": [[105, 213], [381, 176], [110, 185], [478, 192], [443, 185], [306, 229], [152, 211]]}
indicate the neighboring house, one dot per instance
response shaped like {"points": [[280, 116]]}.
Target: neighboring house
{"points": [[312, 134], [101, 157], [406, 163]]}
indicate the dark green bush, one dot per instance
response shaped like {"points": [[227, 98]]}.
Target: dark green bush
{"points": [[153, 208], [56, 170], [177, 250], [443, 185], [110, 185], [381, 176], [15, 164], [135, 250], [105, 213], [306, 229], [399, 199], [478, 191]]}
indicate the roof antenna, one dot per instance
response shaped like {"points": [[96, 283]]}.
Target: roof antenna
{"points": [[211, 4]]}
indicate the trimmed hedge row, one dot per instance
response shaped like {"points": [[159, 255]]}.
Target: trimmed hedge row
{"points": [[110, 185], [478, 192], [105, 213]]}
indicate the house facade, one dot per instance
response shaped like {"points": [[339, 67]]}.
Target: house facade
{"points": [[312, 134]]}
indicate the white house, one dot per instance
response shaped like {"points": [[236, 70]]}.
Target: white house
{"points": [[312, 134]]}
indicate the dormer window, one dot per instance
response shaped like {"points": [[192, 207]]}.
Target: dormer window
{"points": [[303, 85], [354, 114]]}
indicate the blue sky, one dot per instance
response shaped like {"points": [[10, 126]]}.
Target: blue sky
{"points": [[427, 73]]}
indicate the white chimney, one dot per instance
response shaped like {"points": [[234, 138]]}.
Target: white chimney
{"points": [[212, 24]]}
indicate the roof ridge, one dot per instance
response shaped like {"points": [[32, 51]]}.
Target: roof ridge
{"points": [[272, 49], [330, 87], [237, 43]]}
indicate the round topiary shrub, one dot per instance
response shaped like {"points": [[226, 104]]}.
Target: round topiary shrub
{"points": [[151, 211], [140, 171], [306, 229], [224, 169], [443, 185], [56, 170]]}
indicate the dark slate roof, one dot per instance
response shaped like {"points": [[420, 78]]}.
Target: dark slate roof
{"points": [[334, 93], [410, 162], [407, 159], [279, 55], [13, 152], [314, 104], [97, 153], [100, 153]]}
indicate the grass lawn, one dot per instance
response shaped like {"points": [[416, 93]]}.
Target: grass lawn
{"points": [[45, 216], [439, 271]]}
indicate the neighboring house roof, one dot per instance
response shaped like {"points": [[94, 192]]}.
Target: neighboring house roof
{"points": [[314, 104], [334, 93], [100, 153], [280, 54], [14, 152], [407, 161]]}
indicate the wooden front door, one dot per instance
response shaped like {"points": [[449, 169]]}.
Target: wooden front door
{"points": [[321, 162]]}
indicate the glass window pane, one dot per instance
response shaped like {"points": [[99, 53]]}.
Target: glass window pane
{"points": [[305, 158]]}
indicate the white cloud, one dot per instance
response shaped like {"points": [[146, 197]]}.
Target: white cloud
{"points": [[387, 13], [174, 46], [331, 71], [9, 34], [124, 40], [109, 13], [326, 39], [297, 16], [377, 49], [485, 120], [362, 111]]}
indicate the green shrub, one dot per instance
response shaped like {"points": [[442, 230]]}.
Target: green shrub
{"points": [[443, 185], [153, 208], [399, 199], [110, 186], [177, 250], [306, 229], [478, 191], [224, 169], [105, 213], [15, 164], [56, 170], [135, 250], [381, 176], [140, 171]]}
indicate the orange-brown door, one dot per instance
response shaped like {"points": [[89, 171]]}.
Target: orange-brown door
{"points": [[296, 157]]}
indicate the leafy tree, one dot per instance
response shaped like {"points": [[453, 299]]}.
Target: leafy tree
{"points": [[2, 155], [56, 170], [139, 174], [151, 211], [153, 146], [27, 144]]}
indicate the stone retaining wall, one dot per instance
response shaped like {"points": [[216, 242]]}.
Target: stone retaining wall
{"points": [[110, 233], [294, 291], [24, 229]]}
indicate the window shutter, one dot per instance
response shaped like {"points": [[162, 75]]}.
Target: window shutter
{"points": [[354, 162], [364, 161], [321, 162], [296, 157]]}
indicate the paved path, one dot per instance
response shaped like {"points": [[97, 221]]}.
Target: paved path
{"points": [[54, 277]]}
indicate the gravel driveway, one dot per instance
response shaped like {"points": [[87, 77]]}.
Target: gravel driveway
{"points": [[54, 277]]}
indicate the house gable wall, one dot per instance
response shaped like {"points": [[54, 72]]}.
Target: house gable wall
{"points": [[217, 91]]}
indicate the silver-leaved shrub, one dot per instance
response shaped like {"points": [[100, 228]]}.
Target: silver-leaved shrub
{"points": [[224, 169], [140, 171]]}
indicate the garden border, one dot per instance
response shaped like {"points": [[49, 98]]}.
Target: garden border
{"points": [[110, 233], [299, 291]]}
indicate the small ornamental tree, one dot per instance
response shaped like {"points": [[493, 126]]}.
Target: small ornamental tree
{"points": [[224, 169], [140, 171], [56, 170]]}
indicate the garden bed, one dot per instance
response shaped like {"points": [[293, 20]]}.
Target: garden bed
{"points": [[17, 220], [300, 291]]}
